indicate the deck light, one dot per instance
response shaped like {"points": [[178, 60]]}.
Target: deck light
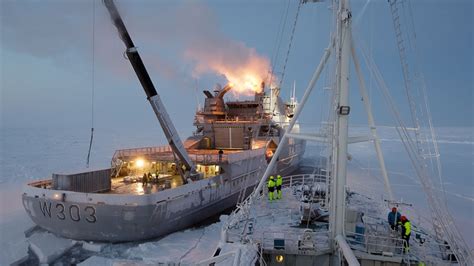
{"points": [[140, 163], [344, 110], [279, 258]]}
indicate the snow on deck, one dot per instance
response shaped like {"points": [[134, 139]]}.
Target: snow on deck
{"points": [[280, 219], [379, 239]]}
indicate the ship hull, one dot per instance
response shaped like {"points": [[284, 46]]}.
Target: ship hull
{"points": [[115, 223], [121, 218]]}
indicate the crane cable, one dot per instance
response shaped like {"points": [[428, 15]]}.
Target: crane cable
{"points": [[290, 43], [93, 85]]}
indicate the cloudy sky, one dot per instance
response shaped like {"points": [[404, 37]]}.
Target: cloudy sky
{"points": [[47, 57]]}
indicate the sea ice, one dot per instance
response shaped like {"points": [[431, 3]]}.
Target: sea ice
{"points": [[48, 247]]}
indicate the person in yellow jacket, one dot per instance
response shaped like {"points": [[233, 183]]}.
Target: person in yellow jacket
{"points": [[279, 182], [271, 188], [406, 232]]}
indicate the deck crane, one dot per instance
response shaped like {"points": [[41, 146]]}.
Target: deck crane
{"points": [[158, 107]]}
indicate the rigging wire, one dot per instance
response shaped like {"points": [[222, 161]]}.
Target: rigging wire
{"points": [[278, 39], [441, 214], [93, 85], [290, 43]]}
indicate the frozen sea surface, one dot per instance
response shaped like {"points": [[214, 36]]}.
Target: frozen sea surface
{"points": [[28, 154]]}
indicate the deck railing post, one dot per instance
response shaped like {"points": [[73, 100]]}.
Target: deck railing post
{"points": [[366, 243]]}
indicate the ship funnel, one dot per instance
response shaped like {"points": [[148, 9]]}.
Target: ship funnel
{"points": [[221, 93], [215, 104], [217, 88], [208, 94]]}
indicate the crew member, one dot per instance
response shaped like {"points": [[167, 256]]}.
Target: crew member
{"points": [[406, 232], [394, 218], [145, 179], [271, 188], [149, 178], [279, 182], [221, 152]]}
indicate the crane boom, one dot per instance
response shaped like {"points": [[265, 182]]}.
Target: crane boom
{"points": [[152, 96]]}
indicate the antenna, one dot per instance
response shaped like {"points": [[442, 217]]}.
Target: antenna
{"points": [[198, 104], [293, 96], [92, 85]]}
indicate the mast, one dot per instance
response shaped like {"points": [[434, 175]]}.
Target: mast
{"points": [[158, 107], [343, 55]]}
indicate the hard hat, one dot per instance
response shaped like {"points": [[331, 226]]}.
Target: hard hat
{"points": [[394, 209], [279, 176], [403, 218], [271, 177]]}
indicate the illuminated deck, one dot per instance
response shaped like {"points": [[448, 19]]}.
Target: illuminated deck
{"points": [[119, 186]]}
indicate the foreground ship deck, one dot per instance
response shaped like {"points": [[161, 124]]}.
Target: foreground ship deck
{"points": [[281, 236]]}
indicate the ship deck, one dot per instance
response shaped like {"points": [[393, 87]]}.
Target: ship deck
{"points": [[276, 226], [280, 220], [119, 186]]}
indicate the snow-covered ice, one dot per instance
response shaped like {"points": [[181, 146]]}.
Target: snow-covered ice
{"points": [[48, 247], [186, 247]]}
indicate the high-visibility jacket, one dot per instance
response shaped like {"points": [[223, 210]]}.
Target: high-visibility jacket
{"points": [[279, 181], [406, 228], [271, 183]]}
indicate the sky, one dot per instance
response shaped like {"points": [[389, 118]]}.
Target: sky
{"points": [[54, 52]]}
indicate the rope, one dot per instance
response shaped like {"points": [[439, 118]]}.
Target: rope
{"points": [[93, 85], [291, 42]]}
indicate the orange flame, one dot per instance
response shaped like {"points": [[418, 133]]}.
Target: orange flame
{"points": [[242, 67]]}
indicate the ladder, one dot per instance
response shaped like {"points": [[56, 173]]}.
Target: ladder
{"points": [[117, 165]]}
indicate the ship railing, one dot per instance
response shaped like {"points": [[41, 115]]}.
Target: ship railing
{"points": [[247, 154], [42, 183], [141, 151], [303, 179], [302, 242], [427, 252], [374, 244], [432, 253], [165, 153], [135, 152]]}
